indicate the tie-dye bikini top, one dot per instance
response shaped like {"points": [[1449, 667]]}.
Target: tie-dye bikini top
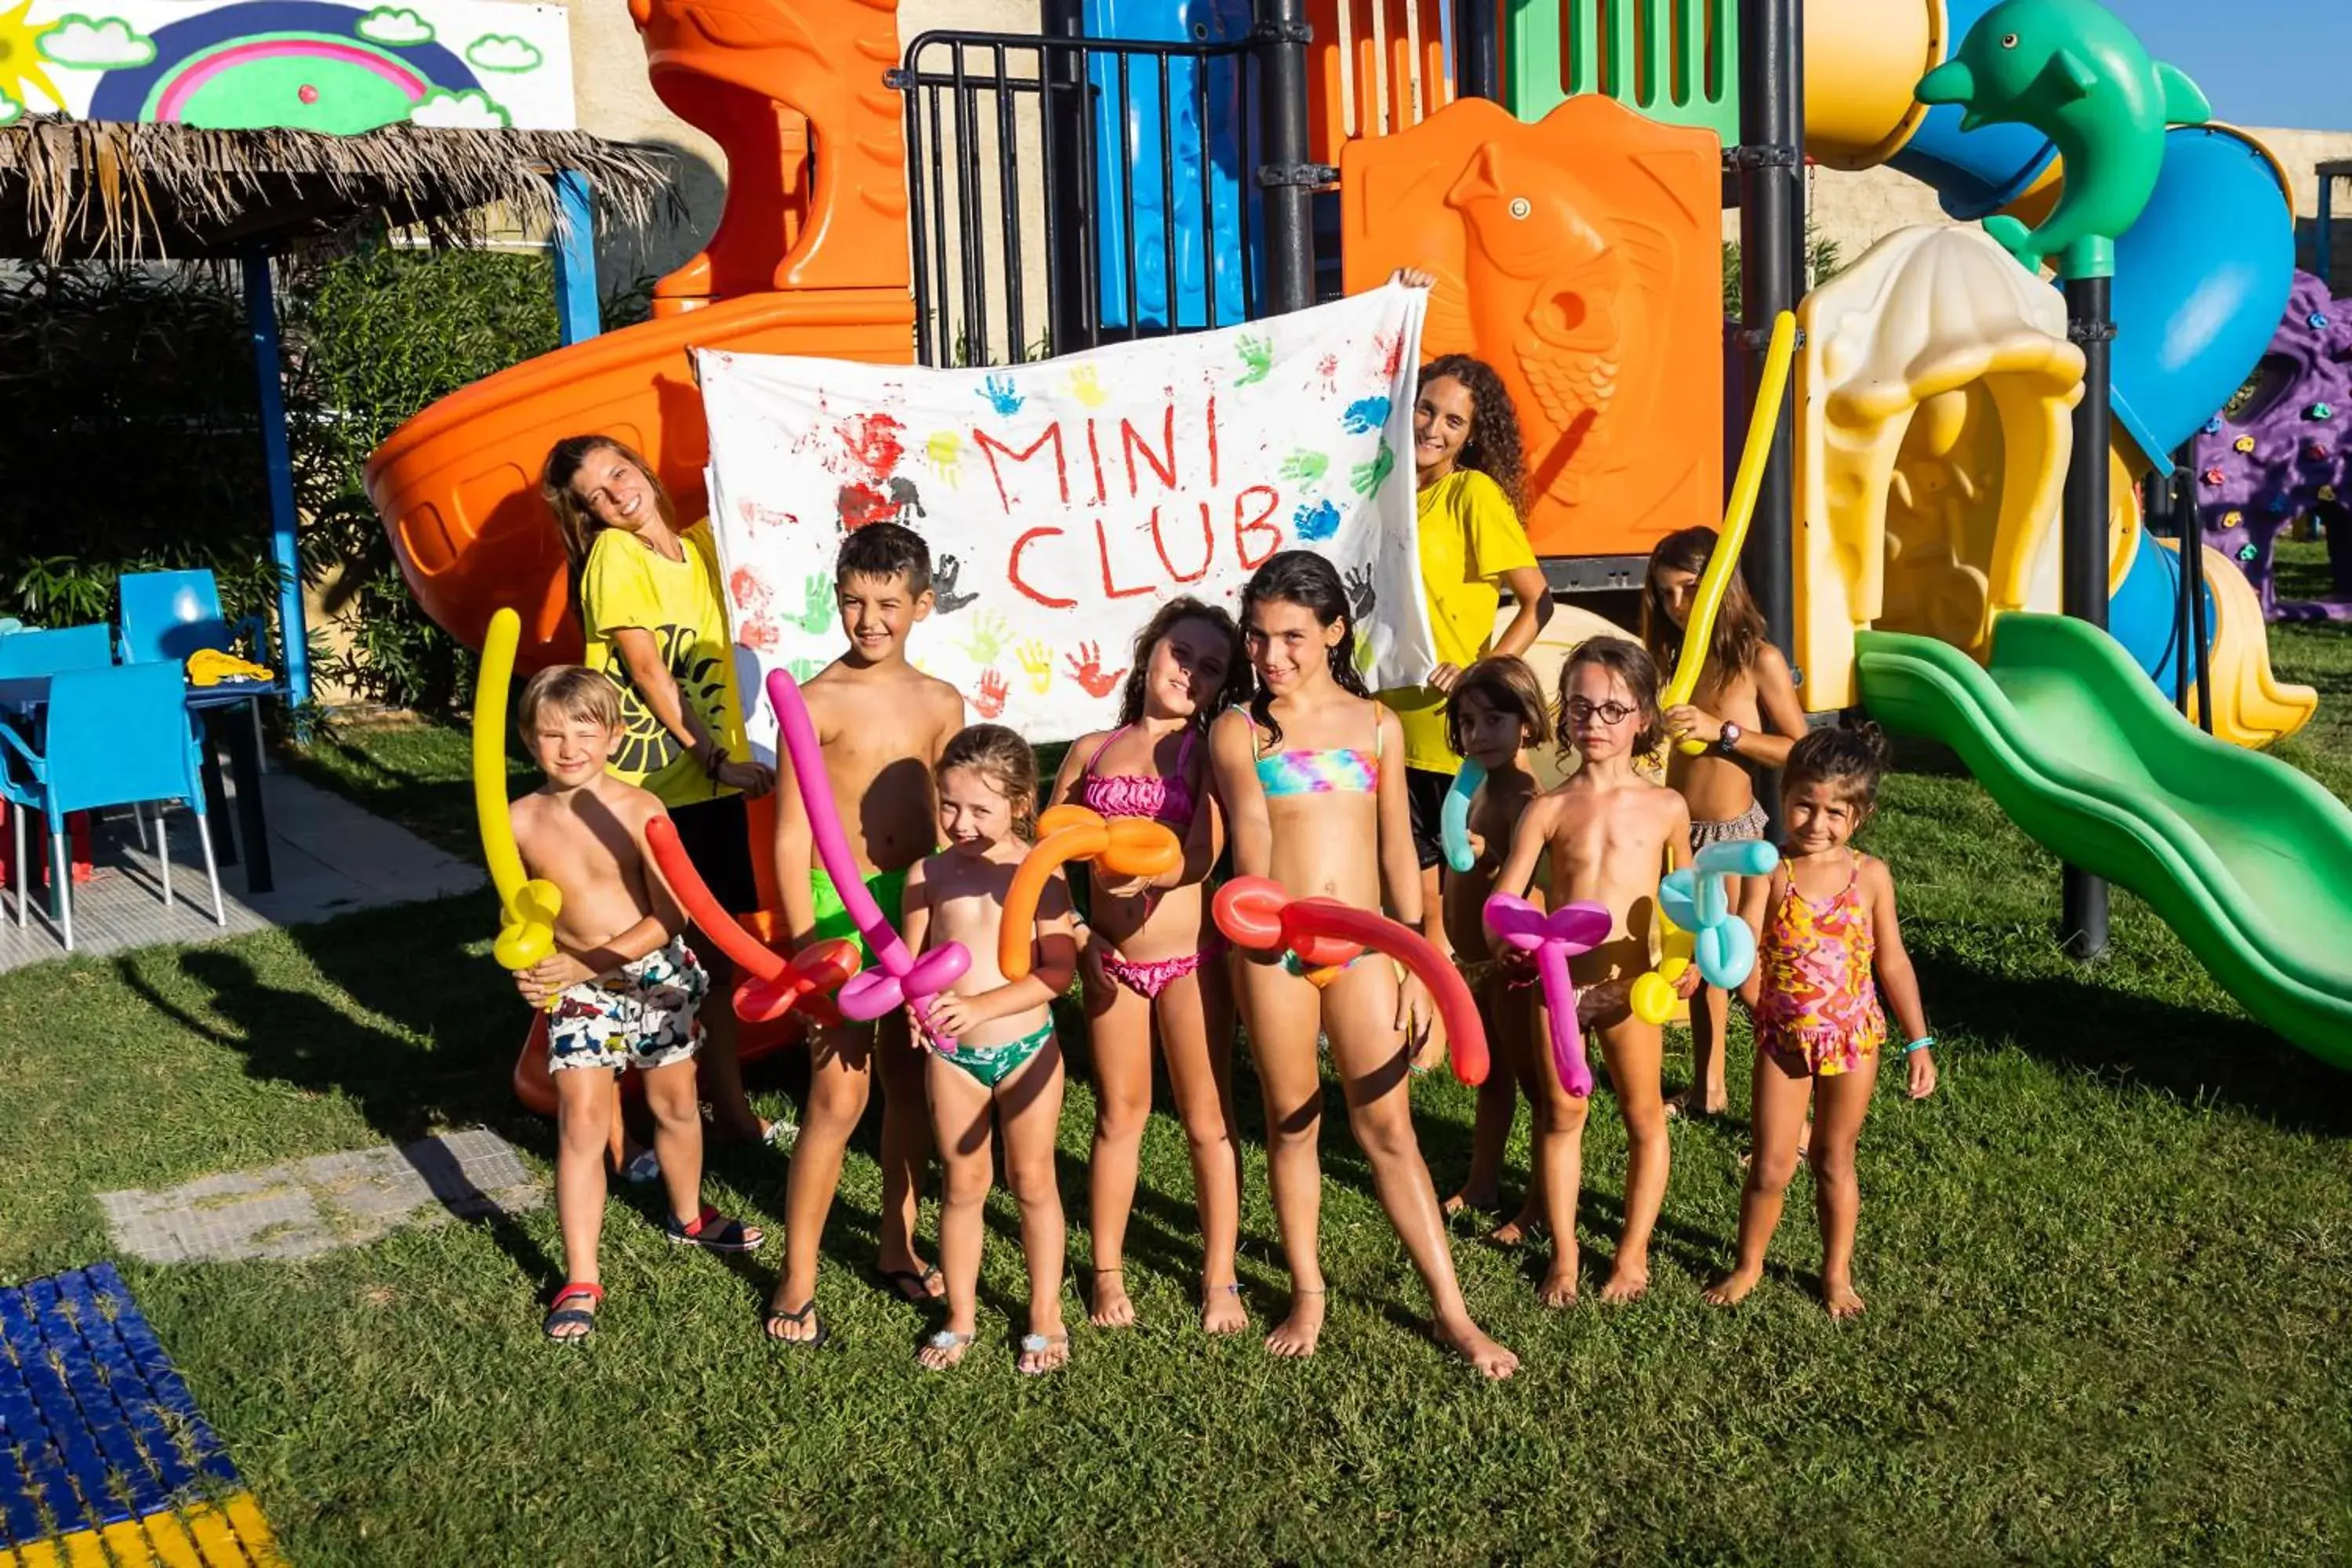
{"points": [[1162, 799], [1338, 770]]}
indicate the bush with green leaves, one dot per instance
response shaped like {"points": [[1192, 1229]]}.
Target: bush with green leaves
{"points": [[130, 433]]}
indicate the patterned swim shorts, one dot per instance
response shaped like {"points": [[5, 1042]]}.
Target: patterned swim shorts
{"points": [[1749, 824], [643, 1016]]}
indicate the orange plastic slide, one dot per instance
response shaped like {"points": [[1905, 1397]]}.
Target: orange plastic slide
{"points": [[809, 257]]}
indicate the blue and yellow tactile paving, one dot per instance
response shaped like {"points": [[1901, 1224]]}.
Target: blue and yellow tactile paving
{"points": [[104, 1459]]}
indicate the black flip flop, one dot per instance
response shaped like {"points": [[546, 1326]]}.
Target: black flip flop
{"points": [[796, 1319], [910, 1285]]}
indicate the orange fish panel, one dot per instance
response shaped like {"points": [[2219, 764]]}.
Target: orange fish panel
{"points": [[1581, 257]]}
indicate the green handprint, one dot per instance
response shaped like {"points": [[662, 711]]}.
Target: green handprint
{"points": [[806, 669], [1257, 359], [987, 638], [1366, 477], [1305, 466], [818, 607]]}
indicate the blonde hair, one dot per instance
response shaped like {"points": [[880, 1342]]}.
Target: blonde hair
{"points": [[1005, 761], [564, 461], [575, 692]]}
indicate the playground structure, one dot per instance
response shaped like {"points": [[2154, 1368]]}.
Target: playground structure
{"points": [[2285, 457], [1937, 404]]}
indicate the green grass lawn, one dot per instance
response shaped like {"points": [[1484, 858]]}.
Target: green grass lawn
{"points": [[2107, 1267]]}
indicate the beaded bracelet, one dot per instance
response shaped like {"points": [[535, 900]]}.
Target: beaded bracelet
{"points": [[1921, 1044]]}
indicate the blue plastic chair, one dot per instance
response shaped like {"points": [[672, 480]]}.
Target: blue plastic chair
{"points": [[117, 736], [35, 651], [167, 616]]}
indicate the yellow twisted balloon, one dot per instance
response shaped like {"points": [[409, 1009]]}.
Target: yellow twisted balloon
{"points": [[527, 907], [1698, 629]]}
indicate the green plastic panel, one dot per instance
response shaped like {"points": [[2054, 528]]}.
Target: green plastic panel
{"points": [[2249, 859], [1675, 61]]}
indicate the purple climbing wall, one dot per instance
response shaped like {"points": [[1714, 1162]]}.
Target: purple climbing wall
{"points": [[2289, 454]]}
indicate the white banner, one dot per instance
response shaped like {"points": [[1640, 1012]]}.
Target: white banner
{"points": [[1066, 499]]}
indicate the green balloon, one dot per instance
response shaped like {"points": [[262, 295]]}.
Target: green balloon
{"points": [[2073, 71]]}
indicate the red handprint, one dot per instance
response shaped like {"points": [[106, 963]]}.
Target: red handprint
{"points": [[1086, 668], [759, 636], [990, 701], [750, 594], [1328, 367]]}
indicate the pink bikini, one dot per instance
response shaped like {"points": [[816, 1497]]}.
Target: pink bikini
{"points": [[1158, 799]]}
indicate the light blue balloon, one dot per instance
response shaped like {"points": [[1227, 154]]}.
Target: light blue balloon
{"points": [[1454, 818], [1742, 857], [1724, 953]]}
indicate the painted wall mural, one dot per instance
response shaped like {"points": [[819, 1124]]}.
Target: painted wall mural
{"points": [[302, 64]]}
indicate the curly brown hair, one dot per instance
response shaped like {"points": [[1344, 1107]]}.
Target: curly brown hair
{"points": [[1494, 448], [1851, 761]]}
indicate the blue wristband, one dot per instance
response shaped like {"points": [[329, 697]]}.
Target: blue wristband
{"points": [[1921, 1044]]}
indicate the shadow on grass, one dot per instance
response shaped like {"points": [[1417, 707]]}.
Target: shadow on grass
{"points": [[293, 1036], [2191, 1053]]}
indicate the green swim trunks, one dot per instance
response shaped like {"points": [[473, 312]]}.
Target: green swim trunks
{"points": [[833, 919], [991, 1065]]}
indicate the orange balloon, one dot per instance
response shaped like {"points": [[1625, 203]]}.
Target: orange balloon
{"points": [[1131, 847]]}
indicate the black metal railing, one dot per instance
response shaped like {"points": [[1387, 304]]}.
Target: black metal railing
{"points": [[1067, 192]]}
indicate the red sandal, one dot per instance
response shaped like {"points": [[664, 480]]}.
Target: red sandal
{"points": [[560, 1317]]}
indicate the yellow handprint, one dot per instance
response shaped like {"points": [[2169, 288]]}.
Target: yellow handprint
{"points": [[945, 450], [1086, 385], [1038, 661]]}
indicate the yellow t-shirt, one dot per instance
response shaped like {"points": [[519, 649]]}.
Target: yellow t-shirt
{"points": [[626, 584], [1470, 541]]}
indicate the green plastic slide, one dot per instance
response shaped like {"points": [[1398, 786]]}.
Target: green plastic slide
{"points": [[2248, 858]]}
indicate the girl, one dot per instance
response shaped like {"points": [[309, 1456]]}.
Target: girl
{"points": [[1824, 922], [1494, 712], [1310, 774], [1466, 465], [1147, 949], [1006, 1062], [1744, 687], [1611, 833], [656, 625]]}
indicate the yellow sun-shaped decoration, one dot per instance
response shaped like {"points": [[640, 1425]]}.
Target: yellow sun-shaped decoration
{"points": [[20, 59]]}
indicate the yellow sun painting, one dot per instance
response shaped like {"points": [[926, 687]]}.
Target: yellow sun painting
{"points": [[20, 58]]}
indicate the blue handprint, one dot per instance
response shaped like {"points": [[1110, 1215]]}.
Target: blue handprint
{"points": [[1365, 415], [1000, 396], [1315, 522]]}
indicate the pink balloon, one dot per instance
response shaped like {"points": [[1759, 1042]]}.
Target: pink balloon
{"points": [[877, 991], [1554, 938], [912, 984]]}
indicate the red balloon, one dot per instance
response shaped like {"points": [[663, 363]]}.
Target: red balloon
{"points": [[773, 985], [1255, 913]]}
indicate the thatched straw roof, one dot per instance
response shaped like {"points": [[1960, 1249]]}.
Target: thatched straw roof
{"points": [[116, 190]]}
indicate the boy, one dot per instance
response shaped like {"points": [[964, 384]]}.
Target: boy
{"points": [[882, 724], [1612, 835], [624, 982]]}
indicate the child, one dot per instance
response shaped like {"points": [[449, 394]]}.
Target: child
{"points": [[1494, 712], [1311, 774], [1825, 921], [1467, 464], [1612, 834], [883, 724], [625, 983], [1148, 949], [1744, 687], [1006, 1060]]}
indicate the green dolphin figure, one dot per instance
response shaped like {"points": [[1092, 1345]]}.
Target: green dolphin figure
{"points": [[2073, 71]]}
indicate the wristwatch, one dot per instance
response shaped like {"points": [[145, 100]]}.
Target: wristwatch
{"points": [[1727, 742]]}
